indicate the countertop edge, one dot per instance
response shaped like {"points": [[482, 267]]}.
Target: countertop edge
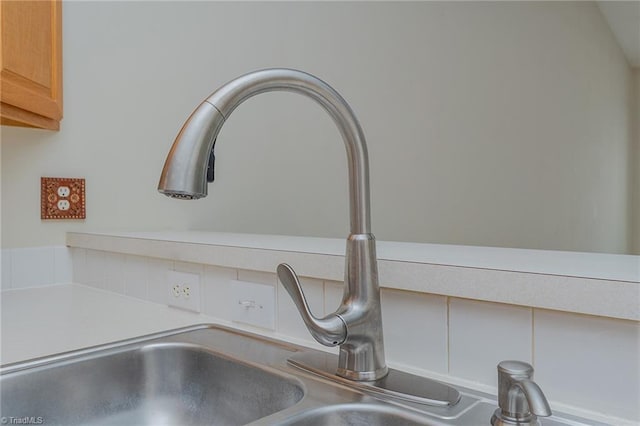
{"points": [[324, 259]]}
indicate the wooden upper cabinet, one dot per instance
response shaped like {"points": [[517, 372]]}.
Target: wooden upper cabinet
{"points": [[31, 63]]}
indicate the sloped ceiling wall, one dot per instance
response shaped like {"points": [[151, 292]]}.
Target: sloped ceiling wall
{"points": [[624, 19]]}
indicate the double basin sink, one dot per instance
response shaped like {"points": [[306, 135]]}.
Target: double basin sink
{"points": [[208, 375]]}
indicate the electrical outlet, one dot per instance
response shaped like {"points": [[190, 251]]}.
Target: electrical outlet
{"points": [[64, 191], [254, 304], [176, 290], [183, 290], [186, 291], [64, 205], [62, 198]]}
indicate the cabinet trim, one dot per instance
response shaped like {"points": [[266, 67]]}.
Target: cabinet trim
{"points": [[13, 116]]}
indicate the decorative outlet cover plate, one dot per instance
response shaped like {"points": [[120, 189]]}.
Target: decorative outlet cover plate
{"points": [[62, 198]]}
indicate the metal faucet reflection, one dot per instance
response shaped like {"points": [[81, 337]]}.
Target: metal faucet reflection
{"points": [[357, 323]]}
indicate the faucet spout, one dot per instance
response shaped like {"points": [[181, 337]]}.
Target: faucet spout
{"points": [[357, 323]]}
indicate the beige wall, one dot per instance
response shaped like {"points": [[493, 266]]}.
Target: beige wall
{"points": [[500, 124]]}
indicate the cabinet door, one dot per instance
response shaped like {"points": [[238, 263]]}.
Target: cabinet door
{"points": [[31, 63]]}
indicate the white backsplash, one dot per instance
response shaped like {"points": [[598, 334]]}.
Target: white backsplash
{"points": [[35, 267], [481, 334], [599, 356]]}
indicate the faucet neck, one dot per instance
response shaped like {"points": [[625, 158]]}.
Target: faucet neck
{"points": [[232, 94]]}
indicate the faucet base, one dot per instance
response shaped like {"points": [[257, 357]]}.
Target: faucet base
{"points": [[367, 376], [395, 385]]}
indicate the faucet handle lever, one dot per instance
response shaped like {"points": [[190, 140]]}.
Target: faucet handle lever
{"points": [[330, 330], [291, 283]]}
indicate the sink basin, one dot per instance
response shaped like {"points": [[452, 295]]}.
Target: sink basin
{"points": [[355, 415], [155, 384]]}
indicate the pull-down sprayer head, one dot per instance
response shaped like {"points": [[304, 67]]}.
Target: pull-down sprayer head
{"points": [[184, 174]]}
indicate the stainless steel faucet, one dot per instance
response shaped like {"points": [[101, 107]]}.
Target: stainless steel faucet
{"points": [[357, 323], [520, 399]]}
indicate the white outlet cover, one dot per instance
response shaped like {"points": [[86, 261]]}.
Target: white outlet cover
{"points": [[184, 280], [253, 304]]}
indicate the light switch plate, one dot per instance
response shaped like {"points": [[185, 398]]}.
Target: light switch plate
{"points": [[253, 304]]}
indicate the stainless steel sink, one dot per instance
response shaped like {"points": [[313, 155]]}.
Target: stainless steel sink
{"points": [[154, 384], [209, 375]]}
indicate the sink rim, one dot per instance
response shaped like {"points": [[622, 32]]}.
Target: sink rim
{"points": [[118, 345]]}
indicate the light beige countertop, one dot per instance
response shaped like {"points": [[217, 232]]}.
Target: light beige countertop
{"points": [[43, 321], [603, 266]]}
